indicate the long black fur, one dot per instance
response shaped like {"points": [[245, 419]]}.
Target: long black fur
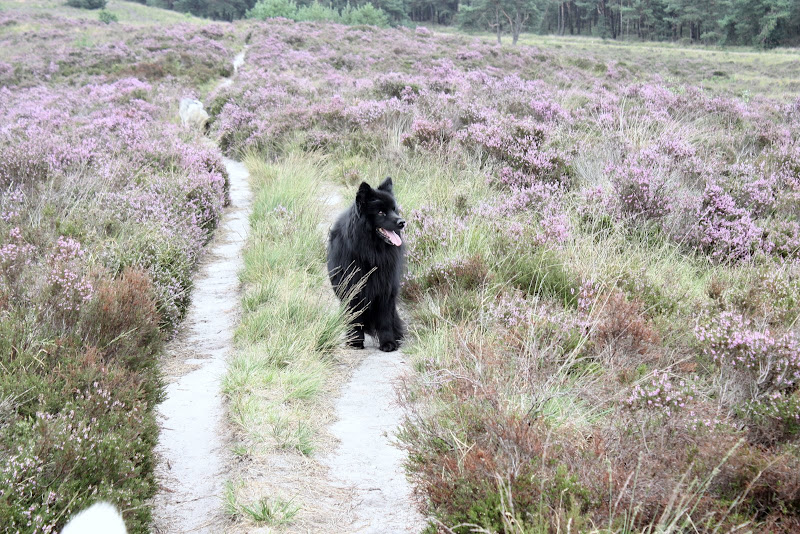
{"points": [[355, 250]]}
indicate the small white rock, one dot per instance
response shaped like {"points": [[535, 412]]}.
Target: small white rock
{"points": [[192, 113]]}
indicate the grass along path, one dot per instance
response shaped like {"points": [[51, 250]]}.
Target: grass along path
{"points": [[289, 368]]}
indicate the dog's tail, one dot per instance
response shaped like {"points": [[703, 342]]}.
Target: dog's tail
{"points": [[100, 518]]}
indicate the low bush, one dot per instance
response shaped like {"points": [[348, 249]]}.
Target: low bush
{"points": [[622, 326], [768, 364], [87, 4], [107, 17], [267, 9], [318, 12], [365, 14]]}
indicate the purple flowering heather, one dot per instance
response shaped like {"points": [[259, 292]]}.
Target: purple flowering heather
{"points": [[664, 393], [642, 190], [726, 231], [69, 287], [730, 340]]}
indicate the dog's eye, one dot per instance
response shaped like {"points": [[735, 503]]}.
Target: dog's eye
{"points": [[381, 213]]}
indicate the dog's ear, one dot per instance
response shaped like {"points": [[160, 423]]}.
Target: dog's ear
{"points": [[363, 195], [386, 185]]}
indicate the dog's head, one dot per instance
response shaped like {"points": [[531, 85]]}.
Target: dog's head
{"points": [[379, 208]]}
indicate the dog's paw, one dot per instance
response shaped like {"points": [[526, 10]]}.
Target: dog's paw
{"points": [[355, 344], [388, 346]]}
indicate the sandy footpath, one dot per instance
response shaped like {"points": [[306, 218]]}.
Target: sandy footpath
{"points": [[191, 449]]}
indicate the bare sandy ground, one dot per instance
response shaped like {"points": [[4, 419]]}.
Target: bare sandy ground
{"points": [[193, 462], [366, 461]]}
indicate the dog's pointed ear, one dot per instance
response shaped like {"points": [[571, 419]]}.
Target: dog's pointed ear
{"points": [[364, 192], [386, 185]]}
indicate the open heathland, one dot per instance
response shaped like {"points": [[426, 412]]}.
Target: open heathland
{"points": [[603, 275]]}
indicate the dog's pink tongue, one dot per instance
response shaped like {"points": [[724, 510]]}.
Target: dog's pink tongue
{"points": [[393, 237]]}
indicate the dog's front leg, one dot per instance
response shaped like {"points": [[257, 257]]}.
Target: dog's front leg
{"points": [[387, 334]]}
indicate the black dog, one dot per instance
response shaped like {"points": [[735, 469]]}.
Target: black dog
{"points": [[365, 242]]}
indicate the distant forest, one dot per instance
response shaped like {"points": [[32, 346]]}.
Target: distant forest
{"points": [[762, 23]]}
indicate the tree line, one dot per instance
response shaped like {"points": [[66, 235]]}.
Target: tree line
{"points": [[762, 23]]}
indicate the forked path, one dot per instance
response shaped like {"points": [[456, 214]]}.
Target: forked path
{"points": [[191, 449], [358, 487]]}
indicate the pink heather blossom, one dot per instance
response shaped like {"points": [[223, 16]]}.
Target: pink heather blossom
{"points": [[662, 392]]}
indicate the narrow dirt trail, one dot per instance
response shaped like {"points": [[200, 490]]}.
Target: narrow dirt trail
{"points": [[238, 61], [192, 467], [193, 462], [366, 461]]}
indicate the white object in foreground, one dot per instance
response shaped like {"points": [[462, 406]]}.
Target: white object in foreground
{"points": [[100, 518]]}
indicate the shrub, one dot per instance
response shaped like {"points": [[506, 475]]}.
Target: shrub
{"points": [[67, 286], [123, 322], [765, 368], [664, 393], [16, 255], [107, 17], [642, 192], [366, 14], [318, 12], [267, 9], [519, 143], [87, 4], [397, 85], [427, 232], [95, 444], [513, 311], [468, 274], [170, 266], [480, 465], [623, 326], [428, 134], [711, 38], [726, 231]]}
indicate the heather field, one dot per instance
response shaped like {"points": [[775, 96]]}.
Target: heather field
{"points": [[603, 264], [602, 272], [105, 205]]}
